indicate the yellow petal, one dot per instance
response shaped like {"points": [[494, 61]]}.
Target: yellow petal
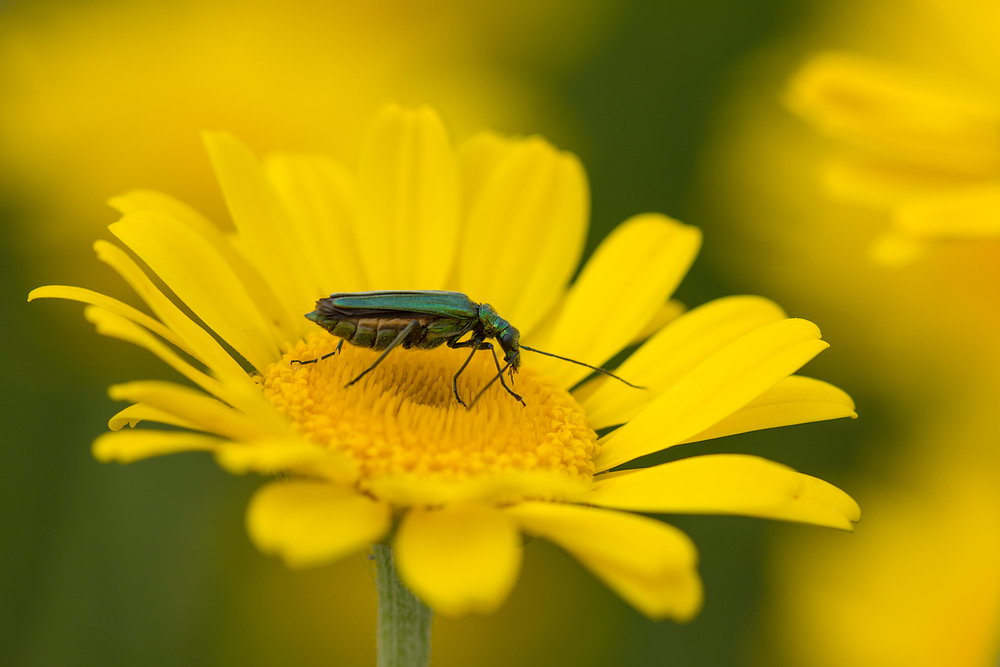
{"points": [[201, 279], [206, 413], [261, 221], [309, 524], [478, 159], [666, 314], [318, 192], [674, 352], [139, 412], [458, 559], [525, 232], [728, 484], [794, 400], [623, 285], [129, 446], [425, 488], [721, 385], [650, 564], [288, 455], [113, 305], [409, 199], [971, 212], [286, 325], [897, 115], [114, 326], [139, 200], [198, 342]]}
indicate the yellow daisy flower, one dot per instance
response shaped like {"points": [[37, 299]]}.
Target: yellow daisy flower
{"points": [[394, 457], [922, 148]]}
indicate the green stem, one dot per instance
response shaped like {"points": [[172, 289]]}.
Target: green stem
{"points": [[403, 636]]}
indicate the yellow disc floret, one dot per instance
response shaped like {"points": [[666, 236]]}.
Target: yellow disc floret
{"points": [[403, 419]]}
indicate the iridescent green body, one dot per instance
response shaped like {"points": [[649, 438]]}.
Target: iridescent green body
{"points": [[423, 319], [375, 319]]}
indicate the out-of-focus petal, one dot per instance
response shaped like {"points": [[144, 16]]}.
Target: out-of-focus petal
{"points": [[309, 524], [478, 159], [261, 221], [882, 184], [289, 456], [406, 489], [895, 114], [409, 195], [894, 249], [129, 446], [458, 559], [970, 212], [140, 412], [525, 232], [206, 413], [319, 194]]}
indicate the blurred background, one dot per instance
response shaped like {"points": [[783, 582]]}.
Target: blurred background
{"points": [[674, 106]]}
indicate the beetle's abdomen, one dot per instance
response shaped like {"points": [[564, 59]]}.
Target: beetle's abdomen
{"points": [[376, 333]]}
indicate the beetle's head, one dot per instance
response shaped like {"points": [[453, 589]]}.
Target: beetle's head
{"points": [[510, 341], [506, 335]]}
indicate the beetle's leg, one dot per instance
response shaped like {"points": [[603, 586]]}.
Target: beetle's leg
{"points": [[454, 380], [400, 337], [475, 344], [489, 346], [325, 356], [480, 344], [490, 383]]}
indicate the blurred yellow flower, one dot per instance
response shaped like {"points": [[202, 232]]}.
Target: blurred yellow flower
{"points": [[920, 586], [110, 95], [395, 456], [924, 586], [923, 146]]}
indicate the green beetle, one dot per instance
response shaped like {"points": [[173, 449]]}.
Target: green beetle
{"points": [[424, 319]]}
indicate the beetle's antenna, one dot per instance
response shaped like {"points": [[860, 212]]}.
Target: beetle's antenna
{"points": [[580, 363], [488, 384]]}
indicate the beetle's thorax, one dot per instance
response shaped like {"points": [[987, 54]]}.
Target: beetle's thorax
{"points": [[490, 321], [494, 326]]}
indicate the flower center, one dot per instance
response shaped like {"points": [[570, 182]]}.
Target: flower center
{"points": [[402, 419]]}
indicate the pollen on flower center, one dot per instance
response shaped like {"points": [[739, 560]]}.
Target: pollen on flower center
{"points": [[402, 418]]}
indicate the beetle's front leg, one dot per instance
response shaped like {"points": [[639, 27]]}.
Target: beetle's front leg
{"points": [[475, 344], [489, 346]]}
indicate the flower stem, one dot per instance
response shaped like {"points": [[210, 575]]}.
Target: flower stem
{"points": [[403, 637]]}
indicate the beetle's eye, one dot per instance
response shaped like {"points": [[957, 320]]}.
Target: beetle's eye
{"points": [[506, 340]]}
